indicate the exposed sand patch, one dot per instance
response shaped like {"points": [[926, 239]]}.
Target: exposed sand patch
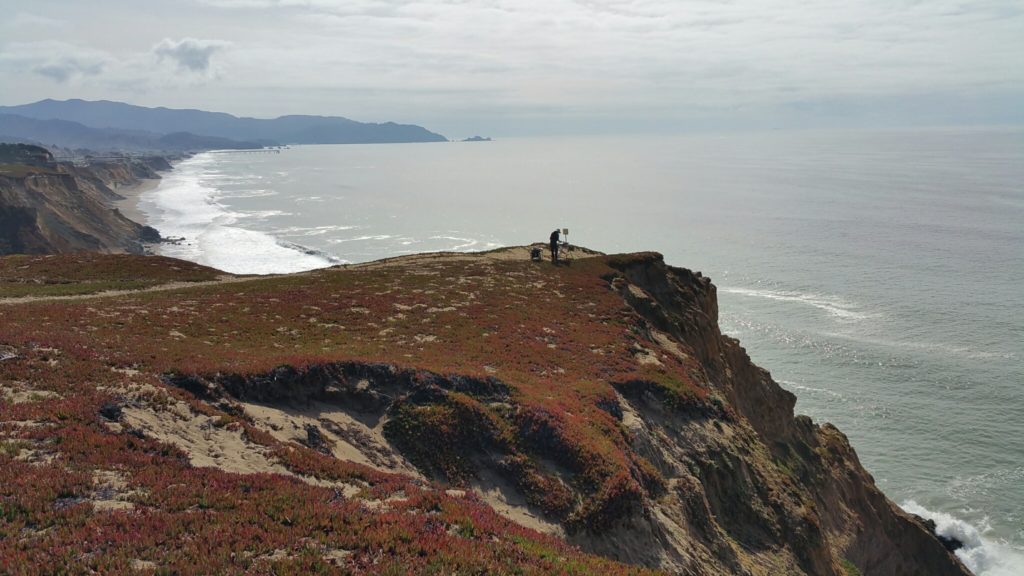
{"points": [[34, 452], [350, 436], [670, 346], [645, 356], [20, 393], [110, 491], [277, 554], [19, 424], [130, 372], [638, 292], [205, 443], [336, 556], [506, 500], [384, 505], [143, 565]]}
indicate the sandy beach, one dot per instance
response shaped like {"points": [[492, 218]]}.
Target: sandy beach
{"points": [[129, 207]]}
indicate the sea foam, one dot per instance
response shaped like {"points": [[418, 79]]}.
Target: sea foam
{"points": [[185, 207], [983, 556]]}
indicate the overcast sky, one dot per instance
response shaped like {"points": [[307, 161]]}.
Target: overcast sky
{"points": [[510, 67]]}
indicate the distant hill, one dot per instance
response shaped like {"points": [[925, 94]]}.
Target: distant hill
{"points": [[284, 130], [68, 134]]}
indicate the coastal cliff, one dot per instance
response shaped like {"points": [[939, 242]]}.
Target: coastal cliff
{"points": [[464, 413], [48, 207]]}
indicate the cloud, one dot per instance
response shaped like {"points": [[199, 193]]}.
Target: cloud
{"points": [[67, 67], [416, 60], [189, 54], [53, 60]]}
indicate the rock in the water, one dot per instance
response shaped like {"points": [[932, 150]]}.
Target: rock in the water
{"points": [[950, 543]]}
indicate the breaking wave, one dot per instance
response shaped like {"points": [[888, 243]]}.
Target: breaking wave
{"points": [[983, 556], [184, 207]]}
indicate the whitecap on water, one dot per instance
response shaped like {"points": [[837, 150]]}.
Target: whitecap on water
{"points": [[360, 238], [461, 244], [836, 307], [795, 386], [926, 346], [311, 230]]}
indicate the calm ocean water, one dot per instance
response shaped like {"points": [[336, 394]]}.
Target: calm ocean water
{"points": [[878, 275]]}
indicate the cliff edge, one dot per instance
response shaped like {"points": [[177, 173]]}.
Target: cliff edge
{"points": [[456, 412], [48, 207]]}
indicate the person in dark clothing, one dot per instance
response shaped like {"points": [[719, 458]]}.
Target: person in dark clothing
{"points": [[554, 246]]}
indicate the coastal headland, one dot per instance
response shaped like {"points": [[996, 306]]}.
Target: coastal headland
{"points": [[444, 412], [47, 206]]}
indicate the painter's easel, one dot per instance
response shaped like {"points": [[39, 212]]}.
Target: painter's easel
{"points": [[565, 250]]}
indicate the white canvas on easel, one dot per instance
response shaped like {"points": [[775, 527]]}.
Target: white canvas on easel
{"points": [[565, 247]]}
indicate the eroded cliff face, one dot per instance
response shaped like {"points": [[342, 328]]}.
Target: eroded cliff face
{"points": [[779, 485], [64, 208], [598, 404]]}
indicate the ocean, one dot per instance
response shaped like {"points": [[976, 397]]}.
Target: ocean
{"points": [[879, 275]]}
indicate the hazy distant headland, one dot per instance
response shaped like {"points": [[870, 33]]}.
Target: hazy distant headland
{"points": [[105, 125]]}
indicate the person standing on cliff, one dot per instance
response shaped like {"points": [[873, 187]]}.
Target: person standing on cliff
{"points": [[554, 246]]}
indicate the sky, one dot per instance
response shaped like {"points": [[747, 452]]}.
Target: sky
{"points": [[530, 67]]}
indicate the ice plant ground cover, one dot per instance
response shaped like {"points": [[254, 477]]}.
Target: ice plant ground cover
{"points": [[542, 348]]}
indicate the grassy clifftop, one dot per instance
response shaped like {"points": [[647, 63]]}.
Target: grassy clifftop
{"points": [[436, 413]]}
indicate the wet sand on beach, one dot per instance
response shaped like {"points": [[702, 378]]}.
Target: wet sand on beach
{"points": [[129, 206]]}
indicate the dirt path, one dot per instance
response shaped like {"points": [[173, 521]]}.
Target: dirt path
{"points": [[158, 288]]}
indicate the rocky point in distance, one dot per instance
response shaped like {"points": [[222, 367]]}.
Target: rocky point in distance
{"points": [[466, 413]]}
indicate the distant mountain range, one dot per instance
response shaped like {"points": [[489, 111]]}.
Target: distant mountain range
{"points": [[66, 134], [105, 125]]}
